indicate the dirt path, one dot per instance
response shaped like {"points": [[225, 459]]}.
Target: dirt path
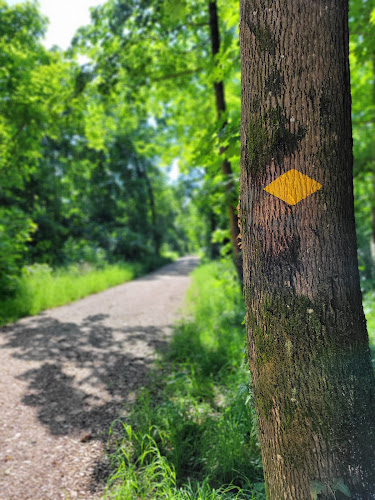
{"points": [[65, 374]]}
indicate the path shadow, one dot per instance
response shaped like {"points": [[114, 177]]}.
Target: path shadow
{"points": [[102, 358], [87, 370]]}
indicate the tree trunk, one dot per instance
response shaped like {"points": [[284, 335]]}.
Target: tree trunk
{"points": [[156, 236], [214, 247], [308, 346], [225, 166]]}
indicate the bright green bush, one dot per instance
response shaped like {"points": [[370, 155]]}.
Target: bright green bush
{"points": [[15, 230]]}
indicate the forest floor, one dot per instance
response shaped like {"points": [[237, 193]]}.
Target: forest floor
{"points": [[65, 376]]}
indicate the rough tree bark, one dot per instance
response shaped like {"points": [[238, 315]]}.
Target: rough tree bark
{"points": [[225, 165], [308, 346]]}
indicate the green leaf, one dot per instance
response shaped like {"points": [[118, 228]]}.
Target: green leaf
{"points": [[339, 485], [242, 389], [317, 487]]}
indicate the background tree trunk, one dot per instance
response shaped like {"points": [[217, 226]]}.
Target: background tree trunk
{"points": [[225, 166], [214, 247], [308, 346], [156, 236]]}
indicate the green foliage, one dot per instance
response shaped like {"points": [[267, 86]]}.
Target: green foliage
{"points": [[193, 430], [15, 232], [32, 89], [76, 160], [362, 69], [369, 309], [169, 77], [329, 487], [361, 23]]}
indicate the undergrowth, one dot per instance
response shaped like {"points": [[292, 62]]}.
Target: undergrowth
{"points": [[194, 430], [41, 287]]}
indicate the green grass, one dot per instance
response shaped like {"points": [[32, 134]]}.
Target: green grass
{"points": [[41, 288], [369, 308], [193, 430]]}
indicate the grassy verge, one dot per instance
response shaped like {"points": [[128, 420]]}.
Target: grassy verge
{"points": [[42, 288], [193, 431]]}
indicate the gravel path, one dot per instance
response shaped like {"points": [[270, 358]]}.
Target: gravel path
{"points": [[65, 375]]}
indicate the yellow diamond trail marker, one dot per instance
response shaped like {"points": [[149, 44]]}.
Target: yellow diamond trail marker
{"points": [[292, 187]]}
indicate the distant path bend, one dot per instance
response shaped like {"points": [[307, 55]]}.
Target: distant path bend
{"points": [[65, 374]]}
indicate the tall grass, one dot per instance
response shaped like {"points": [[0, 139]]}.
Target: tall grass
{"points": [[41, 288], [192, 433]]}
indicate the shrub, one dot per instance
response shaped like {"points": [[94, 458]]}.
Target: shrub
{"points": [[15, 231]]}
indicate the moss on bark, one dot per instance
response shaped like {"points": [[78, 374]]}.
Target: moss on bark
{"points": [[269, 136]]}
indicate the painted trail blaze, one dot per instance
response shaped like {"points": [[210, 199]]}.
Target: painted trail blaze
{"points": [[292, 187]]}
